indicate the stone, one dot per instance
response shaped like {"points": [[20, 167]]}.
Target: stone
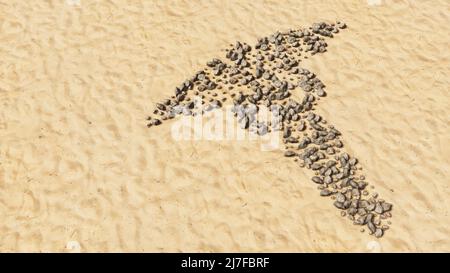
{"points": [[325, 192], [339, 205], [378, 232], [386, 206], [289, 153], [317, 180], [340, 197]]}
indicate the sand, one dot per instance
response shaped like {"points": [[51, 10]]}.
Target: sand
{"points": [[80, 171]]}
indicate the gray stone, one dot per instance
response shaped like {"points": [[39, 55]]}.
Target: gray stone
{"points": [[317, 180], [289, 153], [340, 198], [339, 205], [325, 192], [378, 233], [386, 206], [379, 208]]}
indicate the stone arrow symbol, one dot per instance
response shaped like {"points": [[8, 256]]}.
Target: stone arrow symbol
{"points": [[265, 76]]}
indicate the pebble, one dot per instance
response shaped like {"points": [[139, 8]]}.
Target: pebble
{"points": [[155, 122], [320, 92], [325, 192], [370, 207], [339, 205], [352, 211], [386, 206], [301, 126], [378, 232], [291, 140], [340, 198], [379, 208], [289, 153], [286, 132], [327, 179], [341, 25], [317, 179], [372, 227], [330, 150]]}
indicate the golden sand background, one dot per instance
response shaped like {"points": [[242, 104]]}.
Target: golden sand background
{"points": [[77, 163]]}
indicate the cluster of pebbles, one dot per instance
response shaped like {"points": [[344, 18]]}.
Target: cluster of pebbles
{"points": [[267, 74]]}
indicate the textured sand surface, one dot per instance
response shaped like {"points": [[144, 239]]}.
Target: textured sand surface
{"points": [[79, 166]]}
